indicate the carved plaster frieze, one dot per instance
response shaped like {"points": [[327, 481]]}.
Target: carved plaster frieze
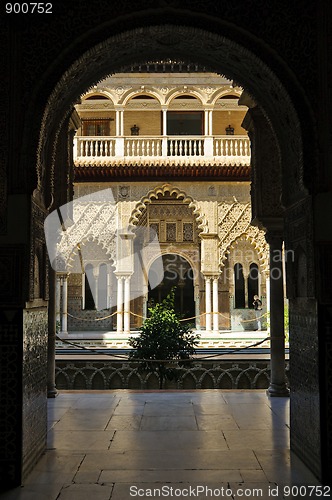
{"points": [[234, 221]]}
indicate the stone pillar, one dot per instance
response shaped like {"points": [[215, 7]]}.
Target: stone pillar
{"points": [[267, 285], [210, 122], [119, 316], [197, 308], [126, 319], [164, 133], [108, 288], [208, 304], [119, 141], [164, 127], [64, 327], [121, 116], [278, 385], [51, 389], [83, 291], [57, 299], [215, 305], [208, 140], [95, 286], [245, 279], [206, 122]]}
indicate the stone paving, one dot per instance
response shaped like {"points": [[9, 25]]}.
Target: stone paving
{"points": [[203, 444]]}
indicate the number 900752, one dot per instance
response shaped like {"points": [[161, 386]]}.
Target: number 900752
{"points": [[28, 8]]}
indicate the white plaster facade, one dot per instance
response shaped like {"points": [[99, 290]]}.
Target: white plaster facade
{"points": [[202, 224]]}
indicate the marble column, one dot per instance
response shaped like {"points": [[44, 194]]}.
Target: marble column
{"points": [[278, 385], [206, 122], [108, 288], [83, 291], [57, 298], [64, 327], [126, 316], [95, 291], [52, 313], [208, 304], [197, 308], [164, 133], [119, 316], [267, 285], [245, 278], [215, 305]]}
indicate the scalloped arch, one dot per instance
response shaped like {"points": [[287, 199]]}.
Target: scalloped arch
{"points": [[262, 252], [168, 188], [89, 238]]}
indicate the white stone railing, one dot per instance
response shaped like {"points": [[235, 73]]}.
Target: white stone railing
{"points": [[230, 148], [92, 147]]}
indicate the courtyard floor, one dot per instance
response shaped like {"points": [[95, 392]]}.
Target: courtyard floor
{"points": [[204, 444]]}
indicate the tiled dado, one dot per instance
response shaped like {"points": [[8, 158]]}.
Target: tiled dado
{"points": [[101, 375], [35, 331]]}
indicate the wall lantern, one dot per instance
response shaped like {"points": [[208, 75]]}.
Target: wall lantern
{"points": [[229, 130], [134, 130]]}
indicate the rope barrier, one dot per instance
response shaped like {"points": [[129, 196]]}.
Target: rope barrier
{"points": [[182, 319], [92, 319], [124, 357]]}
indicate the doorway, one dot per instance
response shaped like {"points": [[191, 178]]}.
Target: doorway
{"points": [[178, 275]]}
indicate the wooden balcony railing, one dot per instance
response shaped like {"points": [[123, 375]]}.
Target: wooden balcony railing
{"points": [[227, 148]]}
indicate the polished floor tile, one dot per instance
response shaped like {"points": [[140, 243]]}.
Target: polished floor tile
{"points": [[100, 444]]}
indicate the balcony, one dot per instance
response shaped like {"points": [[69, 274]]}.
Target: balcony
{"points": [[220, 150]]}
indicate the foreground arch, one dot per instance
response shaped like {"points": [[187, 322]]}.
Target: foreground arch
{"points": [[273, 86]]}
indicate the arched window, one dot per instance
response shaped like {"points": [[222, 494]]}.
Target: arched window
{"points": [[88, 297], [102, 287], [239, 287], [253, 284]]}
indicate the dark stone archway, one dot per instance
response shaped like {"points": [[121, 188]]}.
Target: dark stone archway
{"points": [[202, 36], [278, 153]]}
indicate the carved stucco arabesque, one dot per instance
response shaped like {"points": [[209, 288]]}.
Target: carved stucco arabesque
{"points": [[234, 222], [217, 52], [95, 222]]}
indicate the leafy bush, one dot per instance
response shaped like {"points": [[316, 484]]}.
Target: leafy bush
{"points": [[163, 337]]}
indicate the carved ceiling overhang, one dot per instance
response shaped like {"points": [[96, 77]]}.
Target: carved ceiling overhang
{"points": [[136, 172]]}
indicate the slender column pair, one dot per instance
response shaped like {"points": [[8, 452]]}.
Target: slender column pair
{"points": [[211, 308], [123, 304], [64, 309]]}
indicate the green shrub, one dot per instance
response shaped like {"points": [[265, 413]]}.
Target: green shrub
{"points": [[163, 337]]}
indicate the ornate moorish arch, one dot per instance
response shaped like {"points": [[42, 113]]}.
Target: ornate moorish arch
{"points": [[201, 220]]}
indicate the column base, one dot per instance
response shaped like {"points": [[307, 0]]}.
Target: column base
{"points": [[52, 393], [278, 391]]}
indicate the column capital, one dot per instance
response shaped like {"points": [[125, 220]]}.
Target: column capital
{"points": [[95, 272], [274, 237]]}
